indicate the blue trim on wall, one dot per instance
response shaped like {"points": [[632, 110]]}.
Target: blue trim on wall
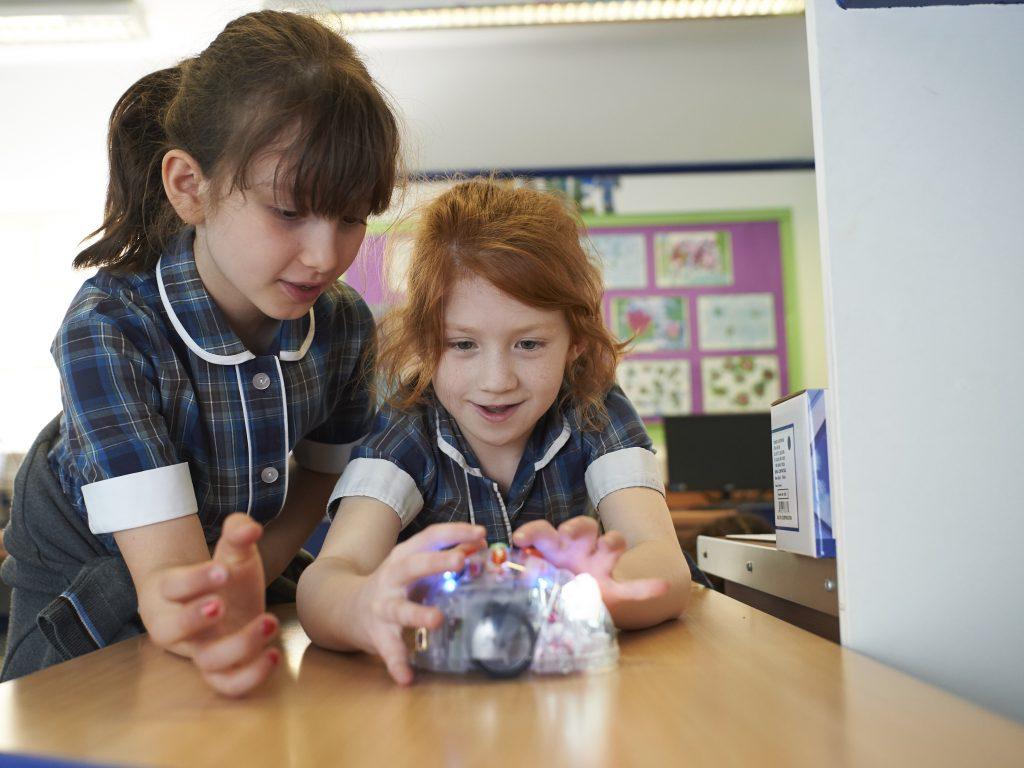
{"points": [[757, 166]]}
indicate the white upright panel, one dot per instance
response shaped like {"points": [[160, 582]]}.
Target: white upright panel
{"points": [[919, 141]]}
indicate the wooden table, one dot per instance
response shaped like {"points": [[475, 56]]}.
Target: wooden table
{"points": [[726, 686]]}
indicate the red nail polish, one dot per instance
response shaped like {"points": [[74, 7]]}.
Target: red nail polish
{"points": [[274, 657], [268, 627], [211, 609]]}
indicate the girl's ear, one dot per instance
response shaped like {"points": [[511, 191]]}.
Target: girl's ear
{"points": [[183, 182]]}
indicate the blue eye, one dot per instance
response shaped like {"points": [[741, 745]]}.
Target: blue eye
{"points": [[531, 345], [286, 214], [462, 345]]}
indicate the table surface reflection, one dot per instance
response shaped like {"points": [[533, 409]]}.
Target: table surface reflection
{"points": [[726, 685]]}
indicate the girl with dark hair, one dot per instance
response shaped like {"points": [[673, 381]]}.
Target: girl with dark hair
{"points": [[214, 370], [503, 423]]}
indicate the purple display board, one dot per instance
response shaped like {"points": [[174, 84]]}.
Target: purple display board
{"points": [[723, 281], [366, 274]]}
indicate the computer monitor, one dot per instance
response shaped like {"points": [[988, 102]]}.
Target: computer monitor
{"points": [[723, 452]]}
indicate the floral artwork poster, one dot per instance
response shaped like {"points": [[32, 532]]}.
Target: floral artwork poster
{"points": [[736, 321], [656, 323], [737, 383], [684, 259], [622, 257], [657, 387]]}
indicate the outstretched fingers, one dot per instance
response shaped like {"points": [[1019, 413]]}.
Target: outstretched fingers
{"points": [[441, 536], [238, 681], [187, 622], [405, 613], [237, 648], [393, 652], [579, 528], [537, 533], [411, 568], [188, 582], [238, 537]]}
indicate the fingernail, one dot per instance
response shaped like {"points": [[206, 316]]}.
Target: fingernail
{"points": [[211, 609], [274, 657], [268, 627], [218, 574]]}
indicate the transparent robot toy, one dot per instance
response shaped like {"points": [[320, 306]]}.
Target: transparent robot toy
{"points": [[508, 611]]}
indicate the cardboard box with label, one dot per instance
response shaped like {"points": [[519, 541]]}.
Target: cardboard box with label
{"points": [[803, 509]]}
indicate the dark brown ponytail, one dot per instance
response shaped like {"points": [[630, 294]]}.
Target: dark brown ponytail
{"points": [[137, 217], [270, 81]]}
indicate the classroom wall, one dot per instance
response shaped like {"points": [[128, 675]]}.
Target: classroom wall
{"points": [[723, 90], [626, 94], [917, 129], [600, 94]]}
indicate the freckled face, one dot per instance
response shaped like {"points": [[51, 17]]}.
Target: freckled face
{"points": [[502, 367]]}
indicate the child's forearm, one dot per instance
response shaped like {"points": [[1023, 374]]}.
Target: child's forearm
{"points": [[328, 604], [655, 558]]}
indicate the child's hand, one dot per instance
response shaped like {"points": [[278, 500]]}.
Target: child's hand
{"points": [[578, 547], [214, 612], [384, 607]]}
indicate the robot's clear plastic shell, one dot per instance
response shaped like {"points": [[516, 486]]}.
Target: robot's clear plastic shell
{"points": [[510, 610]]}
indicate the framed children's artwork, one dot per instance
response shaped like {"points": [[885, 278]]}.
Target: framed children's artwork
{"points": [[736, 383], [657, 387], [736, 321], [708, 328], [683, 259], [654, 323], [622, 259]]}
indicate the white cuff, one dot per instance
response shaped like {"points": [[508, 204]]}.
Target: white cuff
{"points": [[329, 458], [382, 480], [141, 498], [624, 468]]}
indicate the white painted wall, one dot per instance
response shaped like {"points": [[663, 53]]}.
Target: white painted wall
{"points": [[578, 95], [918, 118], [666, 92]]}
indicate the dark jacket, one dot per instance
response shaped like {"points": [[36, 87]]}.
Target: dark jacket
{"points": [[70, 595]]}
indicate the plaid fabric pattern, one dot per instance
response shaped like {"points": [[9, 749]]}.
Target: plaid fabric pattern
{"points": [[152, 376], [428, 445]]}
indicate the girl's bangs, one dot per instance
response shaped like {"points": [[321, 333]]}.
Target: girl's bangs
{"points": [[345, 165], [339, 158]]}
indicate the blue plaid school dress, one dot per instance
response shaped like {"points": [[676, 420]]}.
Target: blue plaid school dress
{"points": [[167, 414], [420, 465]]}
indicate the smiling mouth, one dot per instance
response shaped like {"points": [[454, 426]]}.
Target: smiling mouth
{"points": [[496, 409]]}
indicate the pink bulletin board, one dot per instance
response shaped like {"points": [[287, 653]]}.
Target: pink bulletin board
{"points": [[722, 277]]}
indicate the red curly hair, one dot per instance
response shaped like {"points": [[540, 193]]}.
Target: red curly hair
{"points": [[527, 244]]}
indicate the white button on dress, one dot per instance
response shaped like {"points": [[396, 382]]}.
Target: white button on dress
{"points": [[261, 381], [269, 475]]}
